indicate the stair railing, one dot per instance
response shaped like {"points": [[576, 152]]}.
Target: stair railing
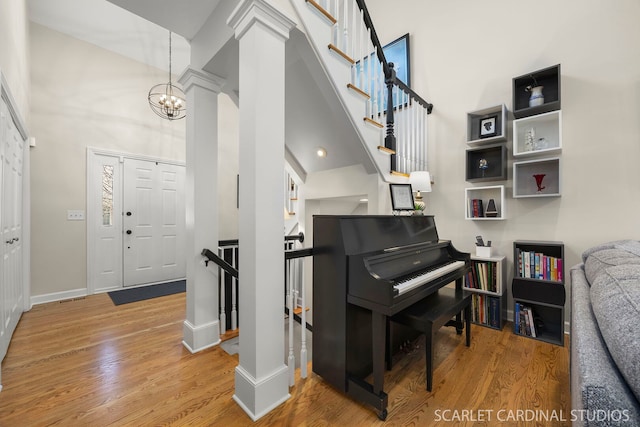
{"points": [[227, 261], [295, 296], [354, 37], [296, 304]]}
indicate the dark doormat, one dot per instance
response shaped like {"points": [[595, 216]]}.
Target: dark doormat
{"points": [[126, 296]]}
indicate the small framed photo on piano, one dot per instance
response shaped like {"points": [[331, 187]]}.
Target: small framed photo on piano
{"points": [[401, 197]]}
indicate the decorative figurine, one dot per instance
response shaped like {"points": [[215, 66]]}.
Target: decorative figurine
{"points": [[491, 211], [529, 137], [483, 164]]}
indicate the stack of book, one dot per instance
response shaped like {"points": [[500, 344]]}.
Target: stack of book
{"points": [[536, 265], [485, 310], [525, 321], [475, 208], [482, 276]]}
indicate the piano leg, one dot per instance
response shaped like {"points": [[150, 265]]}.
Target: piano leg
{"points": [[379, 336], [373, 394]]}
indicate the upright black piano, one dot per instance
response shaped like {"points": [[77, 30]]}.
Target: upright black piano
{"points": [[365, 269]]}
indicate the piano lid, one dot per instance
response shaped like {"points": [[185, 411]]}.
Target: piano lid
{"points": [[370, 233]]}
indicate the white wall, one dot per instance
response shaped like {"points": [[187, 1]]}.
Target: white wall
{"points": [[228, 167], [14, 52], [87, 96], [82, 96], [463, 57]]}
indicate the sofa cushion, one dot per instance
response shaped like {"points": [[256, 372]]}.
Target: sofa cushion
{"points": [[632, 246], [597, 262], [607, 245], [615, 298]]}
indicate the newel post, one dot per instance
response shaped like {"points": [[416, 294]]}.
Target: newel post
{"points": [[390, 138]]}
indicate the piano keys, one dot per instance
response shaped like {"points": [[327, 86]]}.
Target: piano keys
{"points": [[365, 269]]}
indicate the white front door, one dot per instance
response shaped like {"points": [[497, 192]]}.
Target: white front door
{"points": [[153, 222]]}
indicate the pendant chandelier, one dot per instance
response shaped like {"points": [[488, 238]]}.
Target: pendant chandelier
{"points": [[167, 100]]}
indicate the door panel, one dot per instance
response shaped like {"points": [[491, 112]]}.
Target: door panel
{"points": [[154, 230], [104, 222], [11, 280]]}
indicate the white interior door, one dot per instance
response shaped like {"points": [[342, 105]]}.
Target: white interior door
{"points": [[11, 280], [154, 222]]}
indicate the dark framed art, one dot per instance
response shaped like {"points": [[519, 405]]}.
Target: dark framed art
{"points": [[488, 127], [401, 197], [397, 52]]}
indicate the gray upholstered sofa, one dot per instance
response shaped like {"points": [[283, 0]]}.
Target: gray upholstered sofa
{"points": [[605, 336]]}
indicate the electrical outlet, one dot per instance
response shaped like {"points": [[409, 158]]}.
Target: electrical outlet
{"points": [[75, 215]]}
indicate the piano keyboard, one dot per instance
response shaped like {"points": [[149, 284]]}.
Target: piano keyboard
{"points": [[422, 277]]}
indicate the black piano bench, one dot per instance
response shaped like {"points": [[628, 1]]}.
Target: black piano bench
{"points": [[433, 312]]}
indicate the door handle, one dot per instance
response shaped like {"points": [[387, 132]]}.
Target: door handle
{"points": [[128, 213], [128, 231]]}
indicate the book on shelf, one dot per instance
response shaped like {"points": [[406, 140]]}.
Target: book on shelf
{"points": [[483, 276], [485, 310], [536, 265], [475, 208], [525, 321]]}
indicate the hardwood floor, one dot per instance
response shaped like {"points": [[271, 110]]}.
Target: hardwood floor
{"points": [[87, 362]]}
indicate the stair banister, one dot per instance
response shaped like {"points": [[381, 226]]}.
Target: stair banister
{"points": [[392, 81]]}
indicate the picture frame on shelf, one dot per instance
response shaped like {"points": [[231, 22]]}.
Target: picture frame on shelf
{"points": [[488, 127], [401, 197]]}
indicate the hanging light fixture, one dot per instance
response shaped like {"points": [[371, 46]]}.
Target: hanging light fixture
{"points": [[167, 100]]}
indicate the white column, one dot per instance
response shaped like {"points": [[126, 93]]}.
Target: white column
{"points": [[201, 327], [261, 377]]}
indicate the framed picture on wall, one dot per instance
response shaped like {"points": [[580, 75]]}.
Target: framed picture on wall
{"points": [[488, 127], [397, 52], [401, 197]]}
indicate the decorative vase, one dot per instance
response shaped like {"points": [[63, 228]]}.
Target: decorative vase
{"points": [[536, 97], [539, 177]]}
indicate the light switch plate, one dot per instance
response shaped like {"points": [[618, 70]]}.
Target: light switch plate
{"points": [[75, 215]]}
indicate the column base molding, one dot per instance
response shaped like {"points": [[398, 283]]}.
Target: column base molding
{"points": [[259, 397], [198, 338]]}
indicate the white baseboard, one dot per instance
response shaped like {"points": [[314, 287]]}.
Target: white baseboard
{"points": [[58, 296], [198, 338], [258, 397]]}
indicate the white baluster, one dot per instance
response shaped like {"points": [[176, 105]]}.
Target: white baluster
{"points": [[303, 322], [223, 315], [345, 27], [291, 362], [369, 76], [412, 127], [424, 130], [374, 82], [354, 29], [362, 53], [234, 298], [332, 11]]}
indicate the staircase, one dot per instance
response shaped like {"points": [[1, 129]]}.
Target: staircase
{"points": [[388, 116]]}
